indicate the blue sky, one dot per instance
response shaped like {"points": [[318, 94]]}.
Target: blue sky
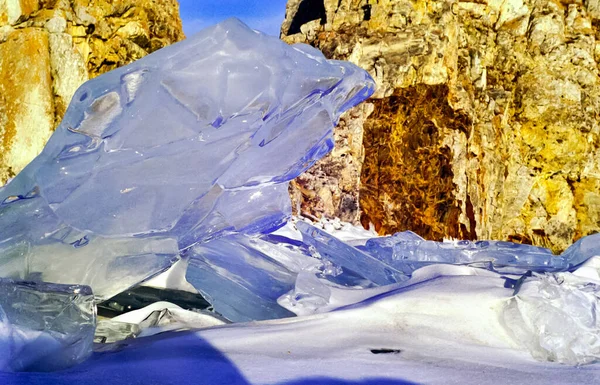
{"points": [[264, 15]]}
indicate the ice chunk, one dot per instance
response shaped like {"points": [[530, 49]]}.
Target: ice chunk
{"points": [[407, 252], [581, 251], [309, 295], [557, 316], [299, 266], [109, 331], [193, 142], [242, 276], [383, 260], [346, 232], [246, 278], [350, 259], [44, 326]]}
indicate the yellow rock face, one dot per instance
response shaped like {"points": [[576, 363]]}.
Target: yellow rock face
{"points": [[49, 48], [26, 100], [485, 122]]}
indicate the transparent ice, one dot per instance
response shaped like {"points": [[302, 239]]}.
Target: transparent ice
{"points": [[407, 252], [44, 327], [557, 316], [193, 142], [243, 276], [247, 277], [394, 258]]}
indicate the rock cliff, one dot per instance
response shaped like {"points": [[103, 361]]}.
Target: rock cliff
{"points": [[485, 124], [48, 48]]}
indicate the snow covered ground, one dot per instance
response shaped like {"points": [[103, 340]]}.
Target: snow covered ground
{"points": [[319, 350], [446, 325], [443, 327]]}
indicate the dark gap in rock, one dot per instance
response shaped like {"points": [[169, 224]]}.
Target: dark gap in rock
{"points": [[471, 217], [367, 12], [520, 238], [308, 10]]}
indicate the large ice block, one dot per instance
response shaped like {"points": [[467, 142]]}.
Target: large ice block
{"points": [[193, 142], [243, 276], [44, 326]]}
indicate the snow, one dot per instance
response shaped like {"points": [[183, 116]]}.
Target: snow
{"points": [[444, 326]]}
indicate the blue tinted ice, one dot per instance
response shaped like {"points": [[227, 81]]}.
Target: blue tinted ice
{"points": [[44, 326], [242, 276], [247, 277], [581, 251], [353, 261], [407, 252], [193, 142]]}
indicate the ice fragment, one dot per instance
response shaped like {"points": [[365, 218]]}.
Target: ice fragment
{"points": [[44, 327]]}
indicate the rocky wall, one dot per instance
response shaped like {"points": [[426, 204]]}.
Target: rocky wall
{"points": [[485, 122]]}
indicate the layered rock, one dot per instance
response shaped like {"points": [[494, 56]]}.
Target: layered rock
{"points": [[48, 48], [485, 123]]}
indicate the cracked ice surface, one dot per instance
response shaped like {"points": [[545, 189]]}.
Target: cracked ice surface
{"points": [[193, 142]]}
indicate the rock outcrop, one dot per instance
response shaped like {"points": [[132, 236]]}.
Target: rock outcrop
{"points": [[48, 48], [485, 124]]}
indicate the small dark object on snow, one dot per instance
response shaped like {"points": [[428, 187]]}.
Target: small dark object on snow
{"points": [[386, 351]]}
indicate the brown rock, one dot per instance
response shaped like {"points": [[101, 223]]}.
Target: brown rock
{"points": [[332, 186], [485, 122]]}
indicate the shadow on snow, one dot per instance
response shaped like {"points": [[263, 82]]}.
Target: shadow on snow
{"points": [[172, 358]]}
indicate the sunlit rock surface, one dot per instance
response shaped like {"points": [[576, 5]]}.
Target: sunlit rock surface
{"points": [[50, 48], [484, 124], [195, 141], [44, 327]]}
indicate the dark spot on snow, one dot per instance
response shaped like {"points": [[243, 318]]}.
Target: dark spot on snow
{"points": [[80, 242], [386, 351]]}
